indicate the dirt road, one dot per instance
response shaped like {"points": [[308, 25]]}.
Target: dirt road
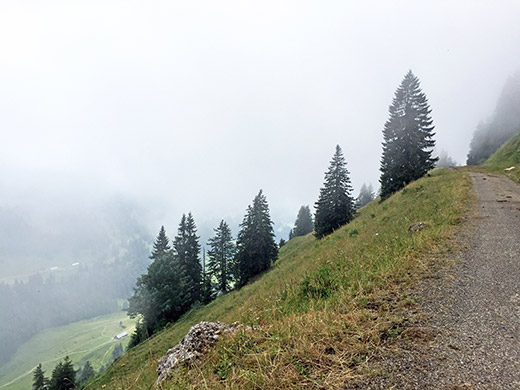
{"points": [[471, 336]]}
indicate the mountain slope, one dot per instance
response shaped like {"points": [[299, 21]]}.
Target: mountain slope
{"points": [[507, 156], [324, 308]]}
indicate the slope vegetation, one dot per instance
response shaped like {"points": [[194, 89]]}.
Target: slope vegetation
{"points": [[507, 156], [324, 308]]}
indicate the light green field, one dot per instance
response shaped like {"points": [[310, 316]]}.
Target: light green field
{"points": [[85, 340]]}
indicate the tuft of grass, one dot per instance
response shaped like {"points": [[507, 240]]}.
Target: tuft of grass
{"points": [[326, 306]]}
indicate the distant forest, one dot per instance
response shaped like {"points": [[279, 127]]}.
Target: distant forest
{"points": [[87, 291], [491, 133]]}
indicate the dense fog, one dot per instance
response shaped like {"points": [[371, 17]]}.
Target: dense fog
{"points": [[117, 117]]}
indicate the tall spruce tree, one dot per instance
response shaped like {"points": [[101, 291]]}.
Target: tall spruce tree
{"points": [[187, 248], [220, 256], [256, 248], [161, 245], [39, 380], [335, 206], [304, 224], [366, 195], [408, 138]]}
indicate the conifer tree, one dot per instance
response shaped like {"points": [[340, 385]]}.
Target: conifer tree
{"points": [[39, 380], [335, 206], [408, 138], [366, 195], [220, 256], [161, 295], [186, 248], [63, 376], [304, 224], [87, 372], [256, 248], [161, 244]]}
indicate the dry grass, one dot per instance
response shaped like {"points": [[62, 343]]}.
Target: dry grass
{"points": [[326, 306]]}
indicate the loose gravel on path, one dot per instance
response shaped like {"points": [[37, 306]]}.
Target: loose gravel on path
{"points": [[470, 338]]}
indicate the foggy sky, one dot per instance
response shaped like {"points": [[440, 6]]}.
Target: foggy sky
{"points": [[196, 105]]}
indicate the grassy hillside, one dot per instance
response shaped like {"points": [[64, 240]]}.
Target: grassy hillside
{"points": [[324, 308], [507, 156], [81, 341]]}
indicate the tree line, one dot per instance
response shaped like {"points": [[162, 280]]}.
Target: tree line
{"points": [[177, 280]]}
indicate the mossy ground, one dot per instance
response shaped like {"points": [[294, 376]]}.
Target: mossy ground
{"points": [[325, 307]]}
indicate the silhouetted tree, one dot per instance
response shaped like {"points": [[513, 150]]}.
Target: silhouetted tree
{"points": [[220, 256], [139, 335], [408, 138], [39, 380], [281, 243], [117, 352], [366, 195], [445, 161], [304, 224], [63, 376], [256, 248], [161, 244], [335, 206], [186, 248], [87, 372]]}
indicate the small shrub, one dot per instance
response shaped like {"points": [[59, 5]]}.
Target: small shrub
{"points": [[353, 233]]}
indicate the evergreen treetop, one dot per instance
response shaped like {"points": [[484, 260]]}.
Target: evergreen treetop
{"points": [[366, 195], [161, 244], [304, 224], [256, 248], [220, 256], [187, 248], [408, 138], [335, 206], [39, 380]]}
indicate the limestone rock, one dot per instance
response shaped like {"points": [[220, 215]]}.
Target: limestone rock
{"points": [[197, 341], [418, 226]]}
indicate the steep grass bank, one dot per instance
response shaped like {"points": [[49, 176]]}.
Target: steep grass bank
{"points": [[507, 156], [324, 308]]}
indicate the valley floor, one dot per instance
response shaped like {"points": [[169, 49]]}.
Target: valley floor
{"points": [[469, 337], [91, 340]]}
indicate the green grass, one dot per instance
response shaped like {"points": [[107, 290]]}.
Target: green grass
{"points": [[507, 156], [81, 341], [324, 308]]}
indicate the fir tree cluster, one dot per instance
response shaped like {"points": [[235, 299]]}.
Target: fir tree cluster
{"points": [[407, 156], [177, 280]]}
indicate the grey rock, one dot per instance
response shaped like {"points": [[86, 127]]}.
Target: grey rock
{"points": [[200, 338]]}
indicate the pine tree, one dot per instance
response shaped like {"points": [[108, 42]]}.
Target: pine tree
{"points": [[366, 195], [408, 138], [161, 244], [256, 248], [281, 243], [220, 256], [335, 206], [39, 380], [304, 224], [63, 376], [87, 372], [161, 295], [187, 249]]}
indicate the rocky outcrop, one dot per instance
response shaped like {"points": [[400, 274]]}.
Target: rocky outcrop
{"points": [[197, 341], [416, 227]]}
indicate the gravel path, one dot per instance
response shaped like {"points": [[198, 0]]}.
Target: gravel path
{"points": [[471, 336]]}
